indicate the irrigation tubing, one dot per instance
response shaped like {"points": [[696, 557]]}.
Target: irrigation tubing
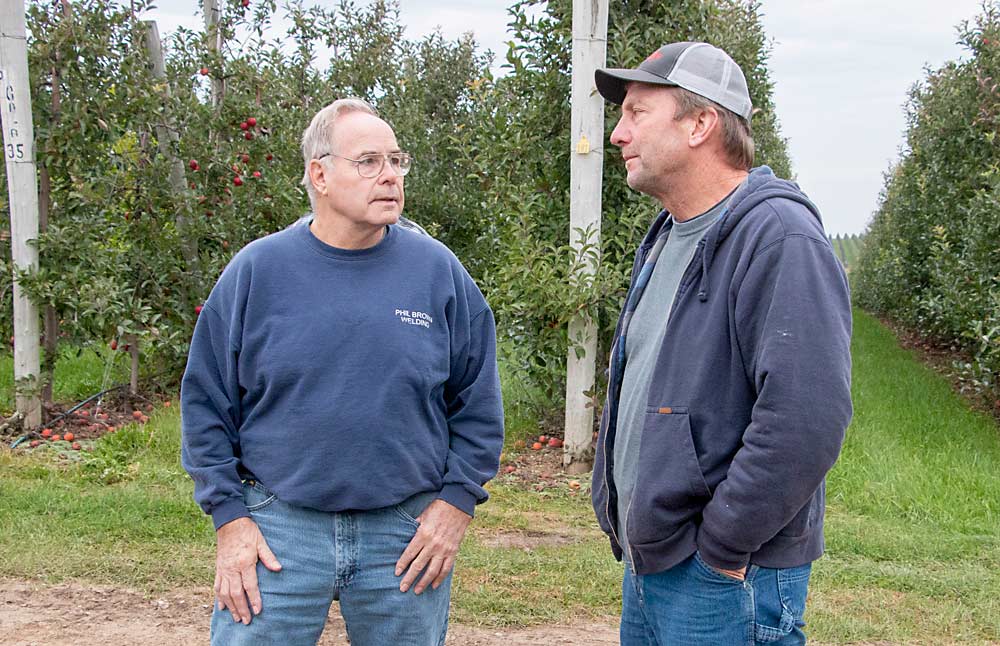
{"points": [[68, 412], [29, 435]]}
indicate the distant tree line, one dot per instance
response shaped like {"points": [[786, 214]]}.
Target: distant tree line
{"points": [[847, 248]]}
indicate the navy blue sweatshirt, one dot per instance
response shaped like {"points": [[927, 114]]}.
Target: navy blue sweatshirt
{"points": [[750, 397], [342, 379]]}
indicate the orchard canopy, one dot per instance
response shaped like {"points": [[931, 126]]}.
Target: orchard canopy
{"points": [[129, 254]]}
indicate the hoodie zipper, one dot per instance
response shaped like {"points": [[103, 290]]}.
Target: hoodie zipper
{"points": [[685, 280], [628, 547], [604, 445]]}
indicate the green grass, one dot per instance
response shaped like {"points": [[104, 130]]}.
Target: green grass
{"points": [[123, 514], [521, 402], [562, 571], [913, 528], [80, 373]]}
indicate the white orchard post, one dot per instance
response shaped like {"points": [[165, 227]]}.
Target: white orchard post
{"points": [[22, 187]]}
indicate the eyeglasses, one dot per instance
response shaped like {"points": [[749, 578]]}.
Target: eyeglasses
{"points": [[371, 165]]}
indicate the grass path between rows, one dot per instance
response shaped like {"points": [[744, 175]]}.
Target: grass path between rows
{"points": [[913, 524]]}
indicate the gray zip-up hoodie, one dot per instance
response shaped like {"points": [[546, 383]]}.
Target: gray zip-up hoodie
{"points": [[750, 399]]}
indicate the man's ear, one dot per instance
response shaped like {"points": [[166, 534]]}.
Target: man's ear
{"points": [[703, 124], [318, 175]]}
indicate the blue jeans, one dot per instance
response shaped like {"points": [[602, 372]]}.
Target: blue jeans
{"points": [[325, 556], [691, 604]]}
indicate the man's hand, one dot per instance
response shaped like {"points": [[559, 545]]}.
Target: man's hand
{"points": [[240, 543], [434, 546]]}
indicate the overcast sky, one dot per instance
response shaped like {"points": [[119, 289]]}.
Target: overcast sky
{"points": [[841, 69]]}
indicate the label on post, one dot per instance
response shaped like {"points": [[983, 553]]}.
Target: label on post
{"points": [[583, 146], [15, 104]]}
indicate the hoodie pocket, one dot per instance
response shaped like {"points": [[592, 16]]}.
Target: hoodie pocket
{"points": [[670, 489]]}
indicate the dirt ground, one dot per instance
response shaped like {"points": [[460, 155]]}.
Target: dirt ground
{"points": [[33, 614]]}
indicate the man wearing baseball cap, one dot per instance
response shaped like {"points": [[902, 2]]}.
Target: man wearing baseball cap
{"points": [[729, 389]]}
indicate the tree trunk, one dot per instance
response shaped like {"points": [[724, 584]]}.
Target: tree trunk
{"points": [[51, 318], [133, 378], [167, 138], [214, 35]]}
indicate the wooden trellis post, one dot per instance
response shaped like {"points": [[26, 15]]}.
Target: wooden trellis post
{"points": [[590, 28], [22, 187]]}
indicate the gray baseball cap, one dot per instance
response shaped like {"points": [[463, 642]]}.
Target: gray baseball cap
{"points": [[698, 67]]}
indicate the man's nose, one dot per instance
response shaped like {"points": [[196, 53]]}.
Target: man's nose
{"points": [[389, 174], [619, 136]]}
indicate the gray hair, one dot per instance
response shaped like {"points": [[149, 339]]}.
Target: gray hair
{"points": [[318, 137], [737, 138]]}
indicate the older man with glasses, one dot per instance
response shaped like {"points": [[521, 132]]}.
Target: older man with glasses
{"points": [[341, 408]]}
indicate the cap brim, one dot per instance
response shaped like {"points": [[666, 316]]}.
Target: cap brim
{"points": [[612, 83]]}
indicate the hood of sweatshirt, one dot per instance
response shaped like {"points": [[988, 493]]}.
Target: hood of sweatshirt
{"points": [[762, 184]]}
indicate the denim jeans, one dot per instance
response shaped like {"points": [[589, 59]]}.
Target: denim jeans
{"points": [[348, 556], [692, 604]]}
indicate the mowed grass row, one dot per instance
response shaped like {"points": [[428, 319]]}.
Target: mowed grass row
{"points": [[913, 529]]}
